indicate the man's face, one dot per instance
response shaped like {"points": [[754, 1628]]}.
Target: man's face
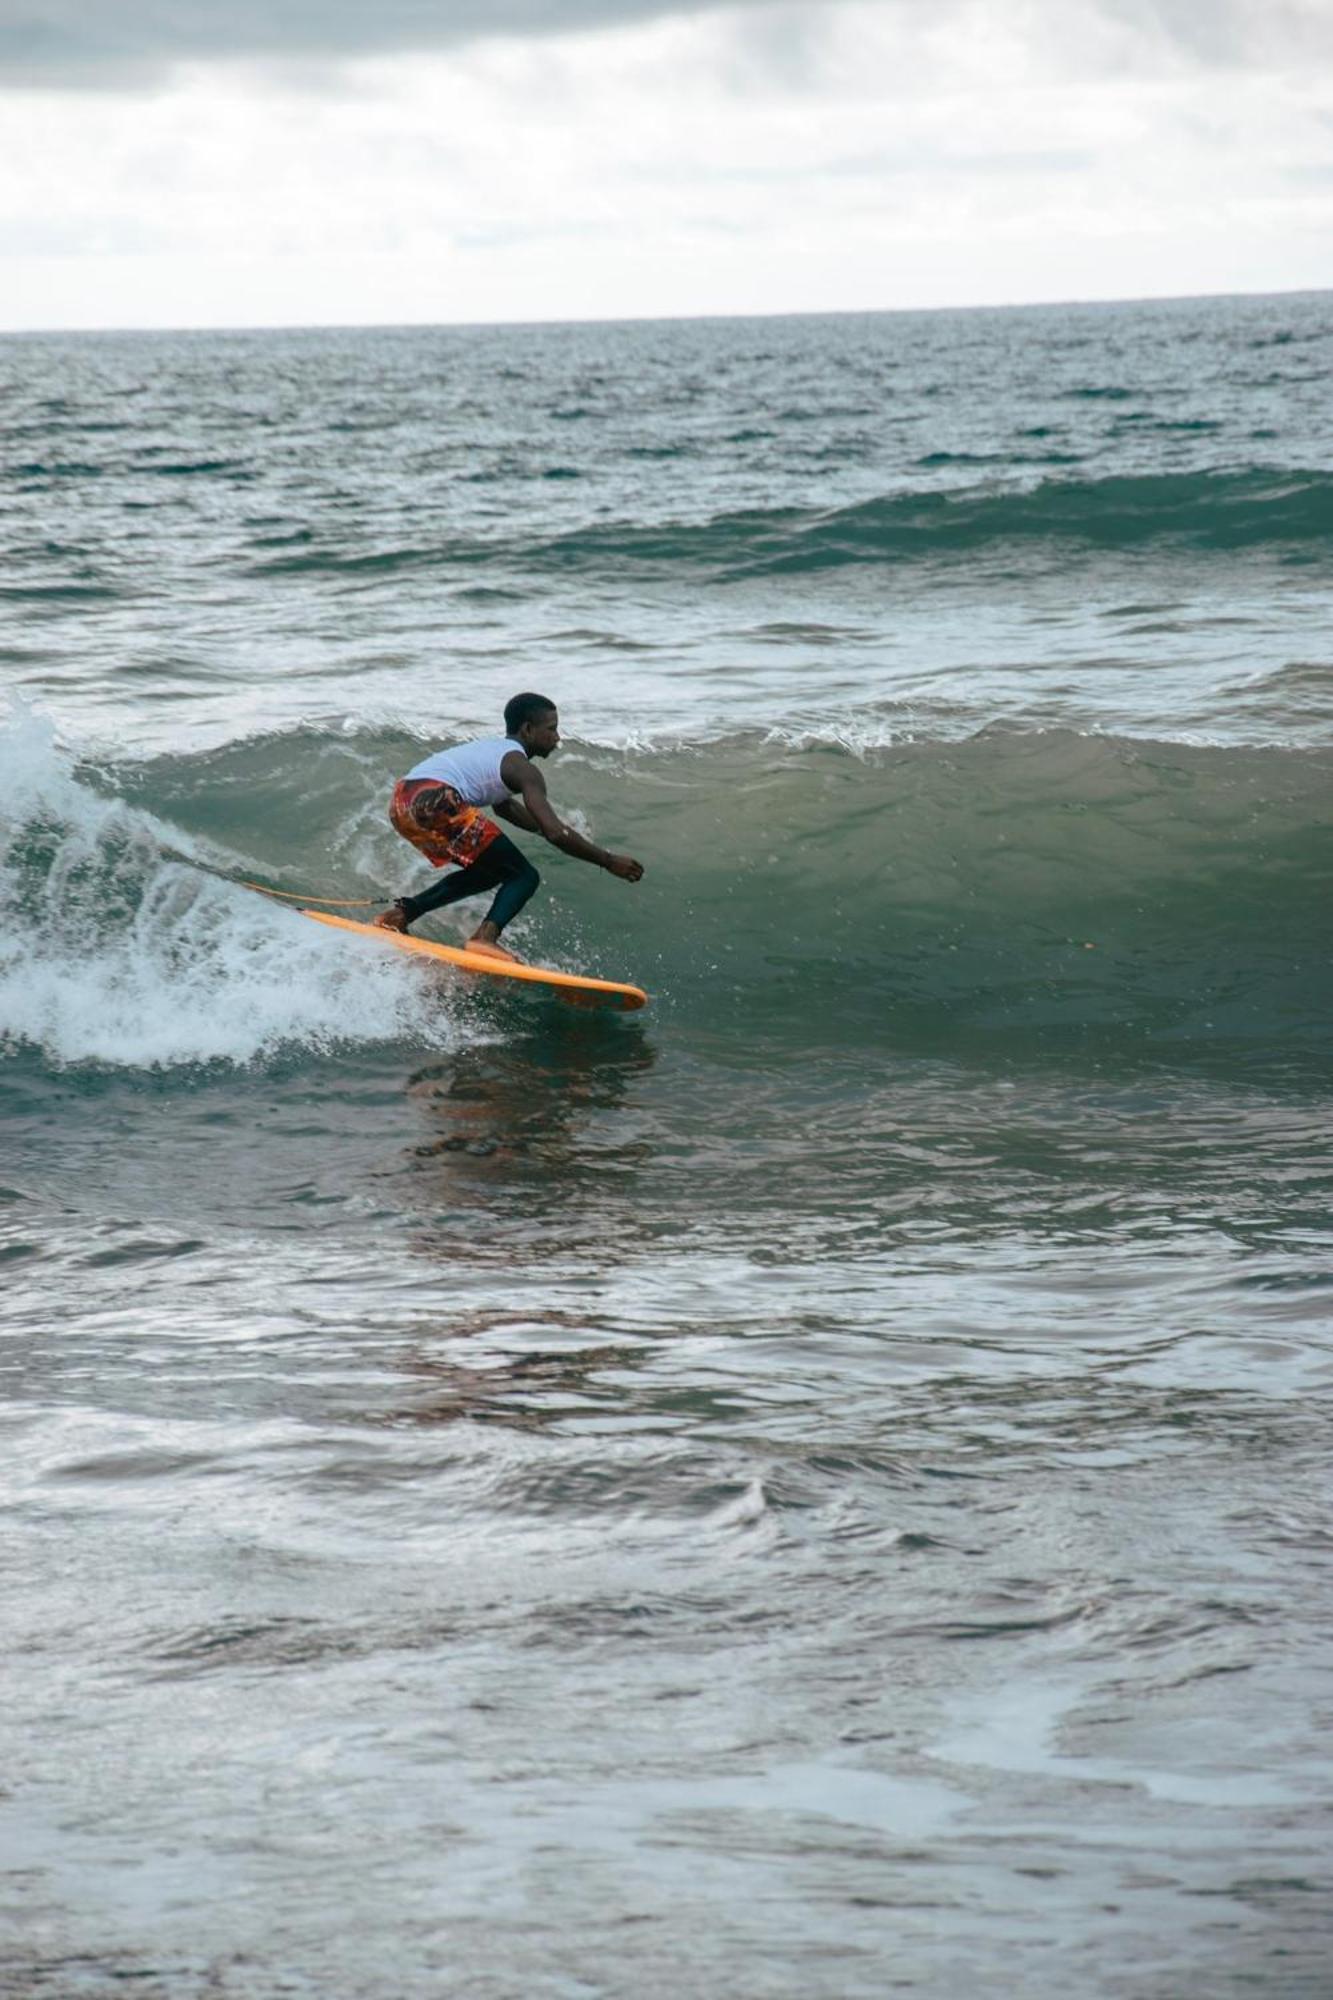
{"points": [[542, 735]]}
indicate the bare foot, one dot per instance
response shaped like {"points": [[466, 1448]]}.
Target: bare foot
{"points": [[392, 919], [485, 949]]}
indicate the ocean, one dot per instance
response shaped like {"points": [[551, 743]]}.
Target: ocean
{"points": [[818, 1488]]}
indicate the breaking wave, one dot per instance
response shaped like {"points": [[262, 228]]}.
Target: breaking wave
{"points": [[1061, 888]]}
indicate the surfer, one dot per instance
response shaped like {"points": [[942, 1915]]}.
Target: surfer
{"points": [[437, 808]]}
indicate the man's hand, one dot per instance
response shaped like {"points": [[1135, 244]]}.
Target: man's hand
{"points": [[624, 866]]}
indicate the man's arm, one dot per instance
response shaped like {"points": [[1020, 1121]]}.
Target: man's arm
{"points": [[517, 814], [540, 816]]}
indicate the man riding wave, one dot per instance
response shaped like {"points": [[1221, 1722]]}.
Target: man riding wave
{"points": [[437, 808]]}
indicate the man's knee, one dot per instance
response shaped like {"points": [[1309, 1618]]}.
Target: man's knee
{"points": [[513, 868]]}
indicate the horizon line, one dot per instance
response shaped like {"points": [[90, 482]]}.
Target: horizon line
{"points": [[656, 319]]}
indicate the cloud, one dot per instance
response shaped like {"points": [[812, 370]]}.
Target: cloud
{"points": [[128, 44], [872, 153], [1229, 32], [120, 43]]}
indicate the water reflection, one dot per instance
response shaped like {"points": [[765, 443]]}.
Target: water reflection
{"points": [[538, 1131], [528, 1392]]}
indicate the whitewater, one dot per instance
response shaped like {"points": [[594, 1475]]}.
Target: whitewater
{"points": [[818, 1485]]}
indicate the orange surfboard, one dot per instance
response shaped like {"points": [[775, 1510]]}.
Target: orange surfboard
{"points": [[570, 986]]}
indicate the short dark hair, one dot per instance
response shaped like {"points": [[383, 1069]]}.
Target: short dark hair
{"points": [[522, 708]]}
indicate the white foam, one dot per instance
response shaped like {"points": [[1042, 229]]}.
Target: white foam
{"points": [[111, 952]]}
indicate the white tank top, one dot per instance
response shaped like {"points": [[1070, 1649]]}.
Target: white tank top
{"points": [[473, 769]]}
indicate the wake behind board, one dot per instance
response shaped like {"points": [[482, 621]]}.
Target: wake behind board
{"points": [[571, 986]]}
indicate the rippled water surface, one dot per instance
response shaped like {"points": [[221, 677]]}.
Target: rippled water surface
{"points": [[821, 1487]]}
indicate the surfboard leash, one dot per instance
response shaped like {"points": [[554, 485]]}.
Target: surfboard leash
{"points": [[262, 888], [288, 896]]}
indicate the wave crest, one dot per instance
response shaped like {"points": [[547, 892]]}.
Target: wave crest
{"points": [[1052, 881]]}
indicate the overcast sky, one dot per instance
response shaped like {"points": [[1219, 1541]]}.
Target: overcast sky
{"points": [[298, 162]]}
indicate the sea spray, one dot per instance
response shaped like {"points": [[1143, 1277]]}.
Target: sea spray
{"points": [[120, 946]]}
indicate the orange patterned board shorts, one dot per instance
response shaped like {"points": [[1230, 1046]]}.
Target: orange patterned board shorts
{"points": [[440, 823]]}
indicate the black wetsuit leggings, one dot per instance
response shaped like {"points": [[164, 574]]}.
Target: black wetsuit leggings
{"points": [[503, 865]]}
